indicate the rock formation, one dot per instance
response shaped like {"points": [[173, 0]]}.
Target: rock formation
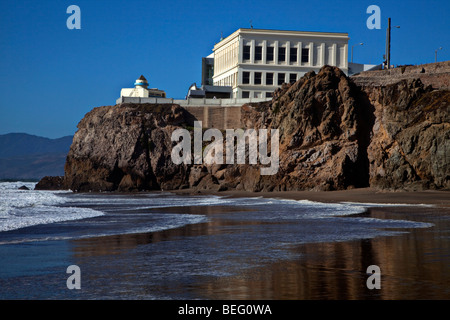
{"points": [[51, 183], [333, 135], [410, 143], [126, 148]]}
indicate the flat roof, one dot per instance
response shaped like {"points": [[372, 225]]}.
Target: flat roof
{"points": [[290, 31], [280, 32], [210, 88]]}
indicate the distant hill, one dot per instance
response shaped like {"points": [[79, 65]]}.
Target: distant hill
{"points": [[25, 156]]}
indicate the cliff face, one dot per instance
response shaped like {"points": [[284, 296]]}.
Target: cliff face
{"points": [[321, 123], [410, 143], [125, 148], [333, 135]]}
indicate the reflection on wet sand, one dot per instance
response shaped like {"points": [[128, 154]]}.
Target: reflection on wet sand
{"points": [[414, 265], [117, 243]]}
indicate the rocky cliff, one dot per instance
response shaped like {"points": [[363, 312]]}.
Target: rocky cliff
{"points": [[125, 148], [333, 135], [410, 143]]}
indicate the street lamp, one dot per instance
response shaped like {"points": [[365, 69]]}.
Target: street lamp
{"points": [[359, 44], [435, 54], [388, 43]]}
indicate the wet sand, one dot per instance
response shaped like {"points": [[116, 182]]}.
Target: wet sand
{"points": [[364, 195], [414, 265]]}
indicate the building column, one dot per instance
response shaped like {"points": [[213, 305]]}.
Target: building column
{"points": [[264, 52], [311, 54], [288, 52], [252, 52], [239, 77], [333, 59], [275, 52], [322, 53], [299, 54], [241, 50], [346, 55], [217, 57], [227, 51]]}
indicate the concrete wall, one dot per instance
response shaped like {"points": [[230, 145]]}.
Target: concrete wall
{"points": [[214, 113], [217, 117], [192, 102]]}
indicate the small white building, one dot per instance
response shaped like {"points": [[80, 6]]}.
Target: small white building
{"points": [[255, 62], [141, 90], [355, 68]]}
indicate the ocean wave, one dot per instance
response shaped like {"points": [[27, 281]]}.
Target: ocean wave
{"points": [[25, 208], [45, 215]]}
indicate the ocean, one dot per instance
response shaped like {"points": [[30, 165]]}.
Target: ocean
{"points": [[164, 245]]}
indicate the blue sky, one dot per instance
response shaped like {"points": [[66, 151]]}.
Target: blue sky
{"points": [[51, 76]]}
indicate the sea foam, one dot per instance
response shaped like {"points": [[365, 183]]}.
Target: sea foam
{"points": [[25, 208]]}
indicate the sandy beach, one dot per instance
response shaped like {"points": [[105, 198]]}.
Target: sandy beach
{"points": [[247, 246], [364, 195]]}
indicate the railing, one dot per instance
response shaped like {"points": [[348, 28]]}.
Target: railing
{"points": [[192, 101]]}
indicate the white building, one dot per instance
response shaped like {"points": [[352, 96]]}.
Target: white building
{"points": [[254, 62], [141, 90], [354, 68]]}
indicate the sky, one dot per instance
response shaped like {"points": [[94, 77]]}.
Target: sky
{"points": [[51, 76]]}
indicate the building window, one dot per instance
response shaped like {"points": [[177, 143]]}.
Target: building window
{"points": [[269, 55], [293, 54], [305, 55], [246, 55], [245, 77], [210, 75], [245, 94], [281, 54], [269, 94], [258, 53], [258, 77], [292, 77], [281, 78], [269, 78]]}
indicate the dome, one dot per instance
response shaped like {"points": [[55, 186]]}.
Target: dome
{"points": [[141, 81]]}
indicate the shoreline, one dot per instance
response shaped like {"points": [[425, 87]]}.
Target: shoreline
{"points": [[318, 269], [438, 198]]}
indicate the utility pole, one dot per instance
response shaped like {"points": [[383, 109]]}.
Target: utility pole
{"points": [[388, 44]]}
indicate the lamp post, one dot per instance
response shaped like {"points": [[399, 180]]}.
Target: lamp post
{"points": [[388, 43], [435, 54], [359, 44]]}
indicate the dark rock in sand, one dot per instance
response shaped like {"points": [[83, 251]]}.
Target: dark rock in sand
{"points": [[51, 183], [24, 188]]}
